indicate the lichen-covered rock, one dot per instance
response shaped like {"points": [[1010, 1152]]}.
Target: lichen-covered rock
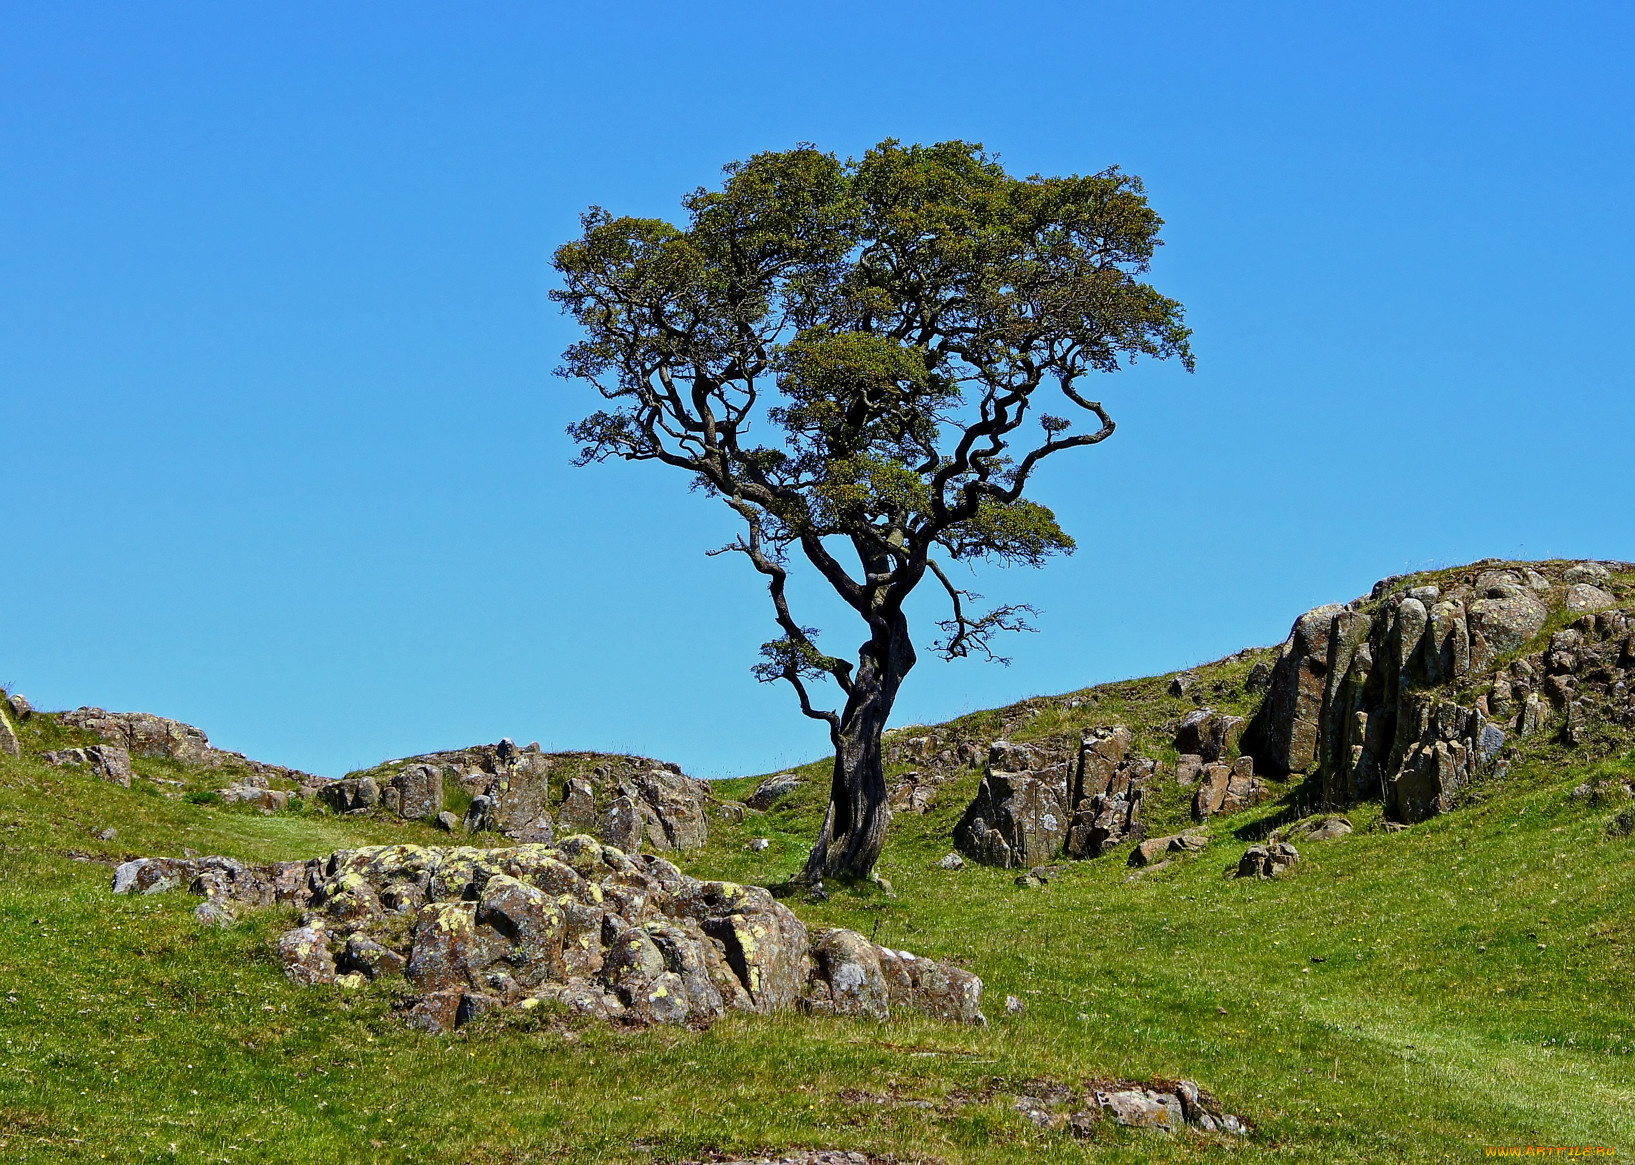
{"points": [[1582, 597], [850, 978], [1208, 734], [581, 925], [353, 795], [1156, 849], [1018, 817], [1227, 789], [143, 734], [305, 954]]}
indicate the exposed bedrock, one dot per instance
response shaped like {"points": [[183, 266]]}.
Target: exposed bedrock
{"points": [[1410, 694], [580, 925]]}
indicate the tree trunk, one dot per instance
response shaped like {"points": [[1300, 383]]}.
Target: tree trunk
{"points": [[854, 829]]}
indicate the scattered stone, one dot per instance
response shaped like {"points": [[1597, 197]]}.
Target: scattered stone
{"points": [[275, 800], [108, 834], [759, 844], [1267, 861], [1592, 573], [1179, 684], [952, 862], [1188, 767], [447, 821], [1259, 678], [1014, 1006], [1322, 828], [773, 790], [20, 707]]}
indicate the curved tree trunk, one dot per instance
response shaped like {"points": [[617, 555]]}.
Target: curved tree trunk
{"points": [[854, 829]]}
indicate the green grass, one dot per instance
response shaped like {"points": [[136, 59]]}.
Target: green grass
{"points": [[128, 1033]]}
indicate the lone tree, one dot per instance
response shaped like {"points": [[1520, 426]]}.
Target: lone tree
{"points": [[847, 355]]}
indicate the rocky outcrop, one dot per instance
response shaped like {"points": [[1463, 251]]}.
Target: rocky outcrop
{"points": [[1410, 694], [1208, 734], [1107, 788], [529, 796], [1285, 734], [143, 734], [1018, 817], [1226, 788], [581, 925], [108, 761]]}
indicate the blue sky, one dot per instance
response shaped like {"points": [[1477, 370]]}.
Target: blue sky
{"points": [[283, 454]]}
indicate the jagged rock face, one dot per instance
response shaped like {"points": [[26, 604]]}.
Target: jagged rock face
{"points": [[1287, 738], [1208, 734], [1384, 697], [1019, 816], [1226, 788], [581, 924], [1107, 787]]}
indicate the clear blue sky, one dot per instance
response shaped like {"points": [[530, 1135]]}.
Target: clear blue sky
{"points": [[283, 454]]}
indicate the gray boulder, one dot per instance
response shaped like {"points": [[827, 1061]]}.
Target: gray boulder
{"points": [[1583, 597], [772, 790], [1209, 734]]}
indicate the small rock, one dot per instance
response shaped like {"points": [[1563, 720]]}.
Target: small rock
{"points": [[1014, 1006], [447, 821], [773, 789], [214, 912], [1179, 684], [952, 862], [759, 844], [1029, 882], [1267, 861], [108, 835], [20, 707]]}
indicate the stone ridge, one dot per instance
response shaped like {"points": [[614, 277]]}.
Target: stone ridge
{"points": [[581, 926]]}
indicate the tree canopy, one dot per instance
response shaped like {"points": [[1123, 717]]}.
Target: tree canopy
{"points": [[854, 357]]}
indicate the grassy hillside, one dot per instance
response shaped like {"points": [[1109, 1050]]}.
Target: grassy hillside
{"points": [[1400, 995]]}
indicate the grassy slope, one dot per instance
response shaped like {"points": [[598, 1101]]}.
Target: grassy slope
{"points": [[126, 1030]]}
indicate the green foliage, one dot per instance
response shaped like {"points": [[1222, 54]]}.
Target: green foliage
{"points": [[855, 351]]}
